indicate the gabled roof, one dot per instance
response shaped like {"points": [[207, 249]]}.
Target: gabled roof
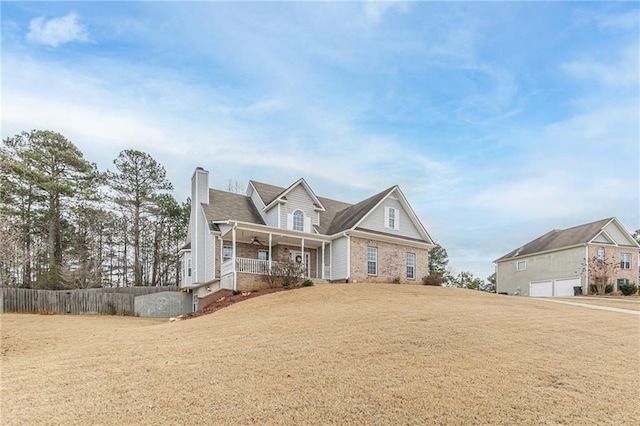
{"points": [[335, 216], [559, 239], [350, 216], [266, 193], [227, 205]]}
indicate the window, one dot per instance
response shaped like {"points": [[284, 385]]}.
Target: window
{"points": [[298, 220], [188, 267], [625, 261], [600, 256], [227, 253], [263, 255], [621, 281], [411, 265], [391, 218], [372, 261], [522, 265]]}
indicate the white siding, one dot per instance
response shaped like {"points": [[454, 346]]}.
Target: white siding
{"points": [[199, 246], [298, 199], [210, 257], [257, 201], [617, 235], [185, 259], [375, 221], [271, 217], [339, 255]]}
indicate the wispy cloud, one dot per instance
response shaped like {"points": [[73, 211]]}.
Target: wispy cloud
{"points": [[57, 31], [622, 69]]}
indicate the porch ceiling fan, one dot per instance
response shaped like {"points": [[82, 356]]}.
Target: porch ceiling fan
{"points": [[256, 241]]}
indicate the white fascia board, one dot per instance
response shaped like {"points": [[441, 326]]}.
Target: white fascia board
{"points": [[624, 231], [307, 188], [414, 217], [247, 226], [373, 208], [612, 242], [389, 239], [407, 207]]}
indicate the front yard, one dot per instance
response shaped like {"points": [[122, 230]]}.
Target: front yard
{"points": [[332, 354]]}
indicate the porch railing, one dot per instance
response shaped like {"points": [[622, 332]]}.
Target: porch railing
{"points": [[248, 266]]}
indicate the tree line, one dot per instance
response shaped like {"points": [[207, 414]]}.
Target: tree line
{"points": [[65, 224]]}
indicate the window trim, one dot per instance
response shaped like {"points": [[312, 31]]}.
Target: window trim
{"points": [[225, 258], [266, 252], [625, 264], [372, 262], [388, 218], [293, 220], [411, 256], [523, 263]]}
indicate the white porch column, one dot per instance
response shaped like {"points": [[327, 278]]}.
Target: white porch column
{"points": [[304, 265], [322, 270], [233, 257], [270, 240]]}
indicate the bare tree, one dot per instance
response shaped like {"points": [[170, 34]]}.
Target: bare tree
{"points": [[601, 271]]}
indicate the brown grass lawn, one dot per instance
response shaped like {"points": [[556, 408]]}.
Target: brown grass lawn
{"points": [[333, 354]]}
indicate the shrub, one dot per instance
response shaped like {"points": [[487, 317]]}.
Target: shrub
{"points": [[255, 290], [396, 280], [307, 283], [607, 290], [628, 289], [435, 280], [286, 274], [236, 292]]}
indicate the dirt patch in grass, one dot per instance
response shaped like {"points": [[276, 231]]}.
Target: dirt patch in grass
{"points": [[334, 354], [227, 299]]}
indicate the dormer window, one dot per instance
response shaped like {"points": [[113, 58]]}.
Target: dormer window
{"points": [[298, 220]]}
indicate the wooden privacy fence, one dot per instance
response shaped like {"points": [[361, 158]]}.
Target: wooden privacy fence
{"points": [[105, 301]]}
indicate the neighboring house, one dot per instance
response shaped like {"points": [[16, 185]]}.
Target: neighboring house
{"points": [[558, 261], [234, 238]]}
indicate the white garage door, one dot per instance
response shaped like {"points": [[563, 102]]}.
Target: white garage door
{"points": [[541, 289], [564, 288]]}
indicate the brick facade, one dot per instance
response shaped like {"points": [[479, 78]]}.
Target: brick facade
{"points": [[613, 252], [392, 262]]}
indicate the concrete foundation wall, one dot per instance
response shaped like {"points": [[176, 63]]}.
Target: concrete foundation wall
{"points": [[165, 304]]}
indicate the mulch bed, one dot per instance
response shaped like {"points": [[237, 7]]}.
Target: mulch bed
{"points": [[228, 300]]}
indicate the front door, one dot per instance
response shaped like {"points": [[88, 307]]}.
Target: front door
{"points": [[296, 256]]}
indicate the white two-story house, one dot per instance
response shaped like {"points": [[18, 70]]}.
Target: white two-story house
{"points": [[233, 239]]}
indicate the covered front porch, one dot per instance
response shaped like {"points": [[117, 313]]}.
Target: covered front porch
{"points": [[255, 249]]}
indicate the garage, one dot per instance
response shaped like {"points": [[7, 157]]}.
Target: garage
{"points": [[564, 288], [541, 289]]}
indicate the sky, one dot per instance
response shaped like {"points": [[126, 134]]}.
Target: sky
{"points": [[498, 120]]}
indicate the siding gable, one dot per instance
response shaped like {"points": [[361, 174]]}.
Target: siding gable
{"points": [[378, 219], [299, 199], [620, 237]]}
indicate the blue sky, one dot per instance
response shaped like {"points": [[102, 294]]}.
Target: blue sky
{"points": [[500, 121]]}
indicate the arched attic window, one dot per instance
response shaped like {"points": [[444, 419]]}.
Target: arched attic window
{"points": [[298, 220]]}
